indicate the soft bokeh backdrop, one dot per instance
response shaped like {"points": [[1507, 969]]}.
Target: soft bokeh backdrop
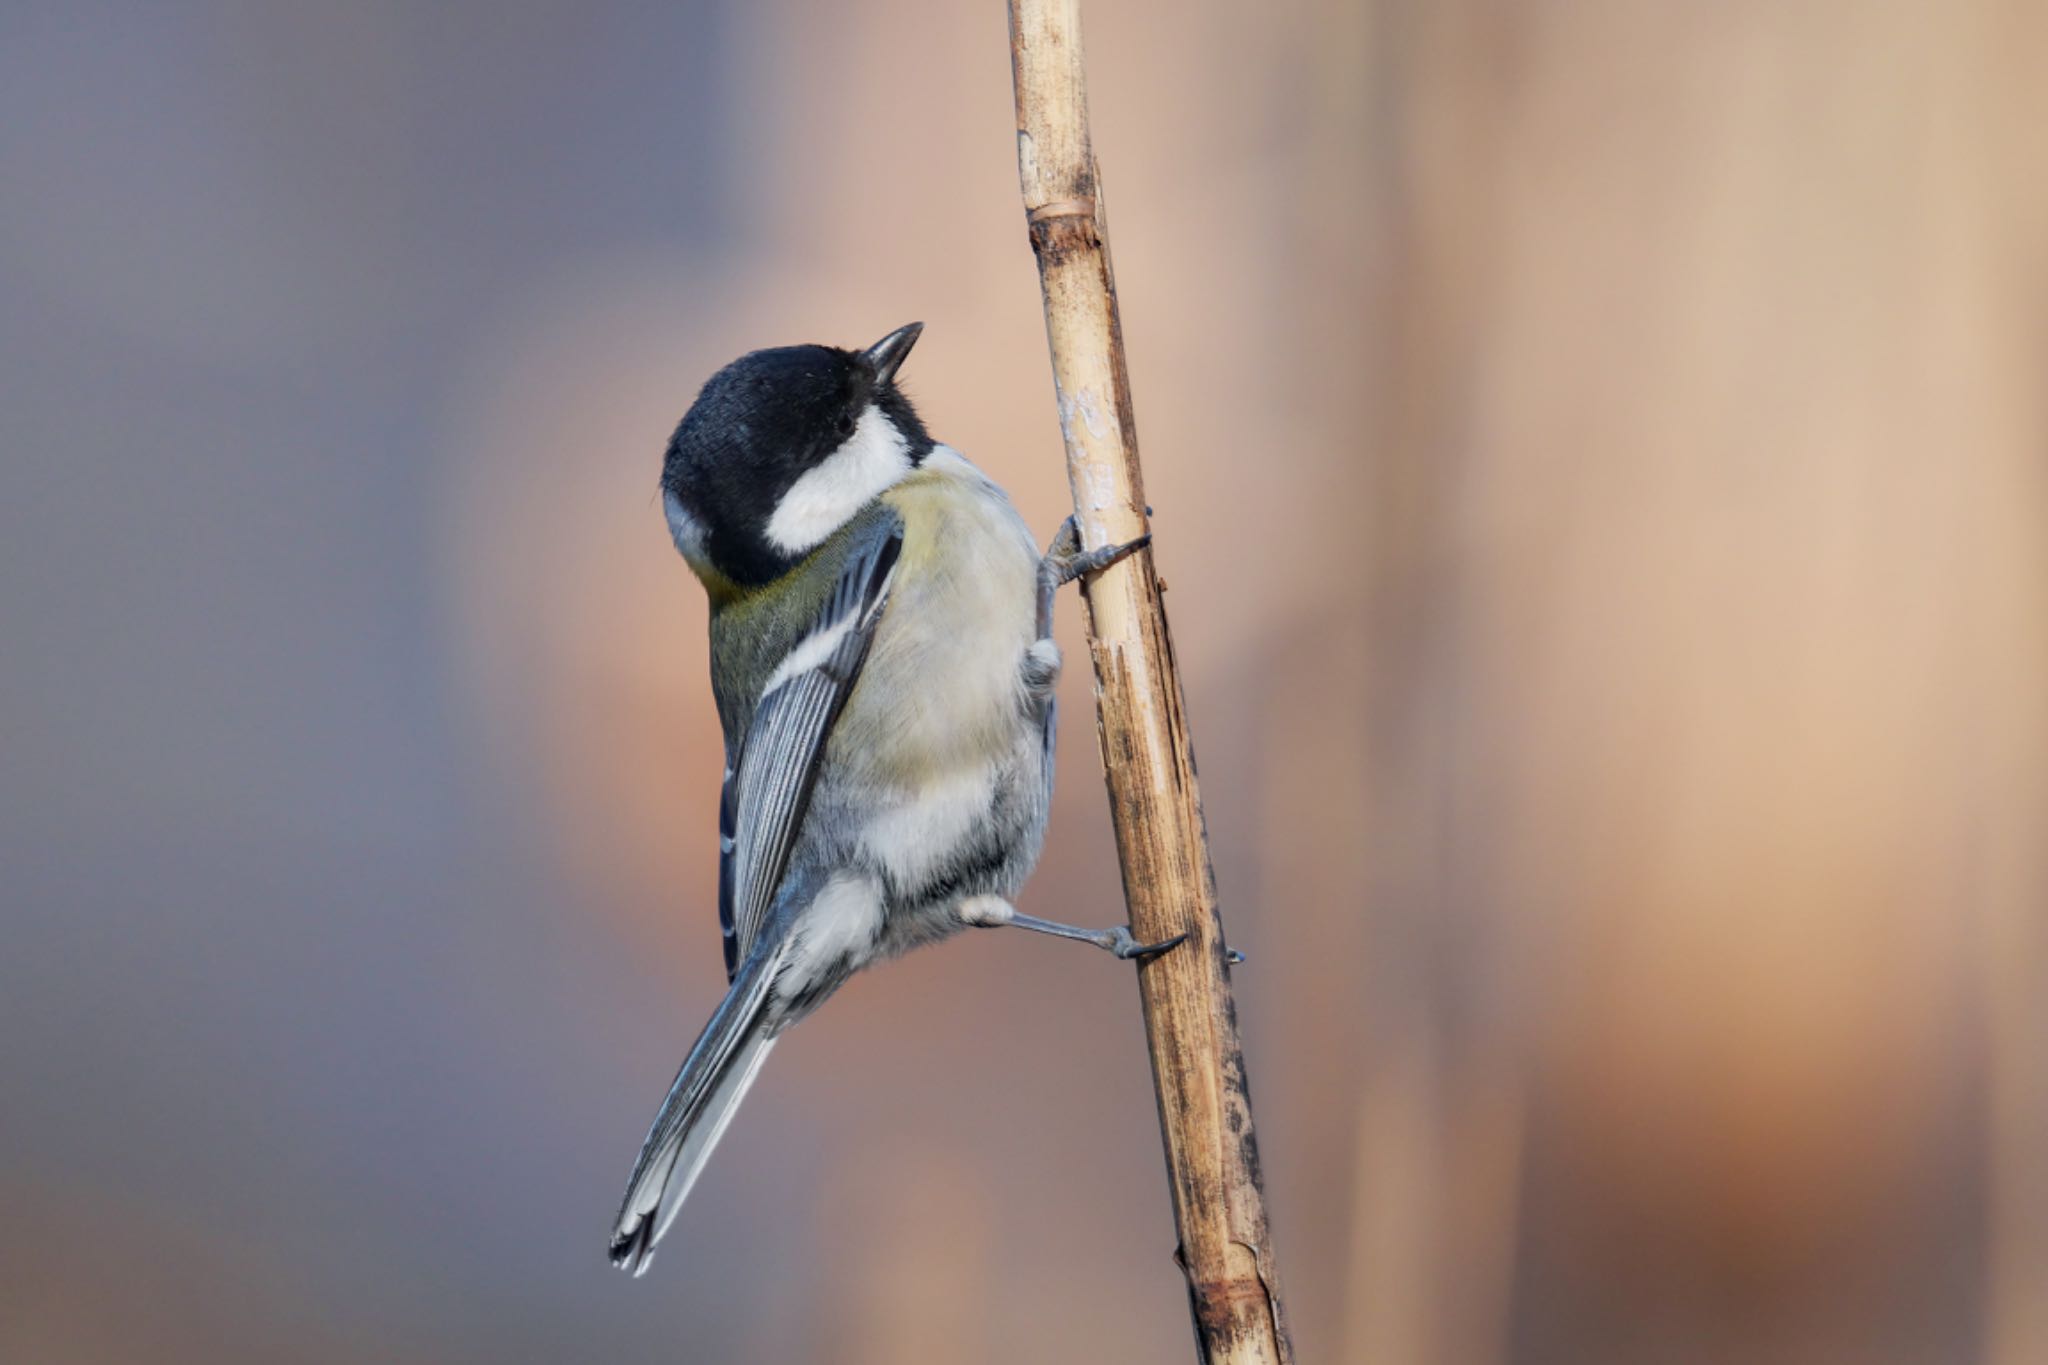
{"points": [[1598, 453]]}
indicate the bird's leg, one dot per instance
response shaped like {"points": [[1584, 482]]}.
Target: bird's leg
{"points": [[992, 912], [1066, 561]]}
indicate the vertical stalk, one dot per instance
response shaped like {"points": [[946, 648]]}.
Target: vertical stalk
{"points": [[1205, 1112]]}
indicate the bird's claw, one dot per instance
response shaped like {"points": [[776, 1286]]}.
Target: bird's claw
{"points": [[1128, 948], [1095, 561], [1066, 561]]}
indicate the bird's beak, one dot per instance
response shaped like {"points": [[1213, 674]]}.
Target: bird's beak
{"points": [[887, 355]]}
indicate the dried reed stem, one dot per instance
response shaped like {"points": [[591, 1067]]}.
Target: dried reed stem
{"points": [[1204, 1112]]}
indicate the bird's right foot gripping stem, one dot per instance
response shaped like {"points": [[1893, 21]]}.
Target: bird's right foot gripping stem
{"points": [[1065, 561]]}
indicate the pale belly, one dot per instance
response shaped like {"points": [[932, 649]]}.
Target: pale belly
{"points": [[940, 732]]}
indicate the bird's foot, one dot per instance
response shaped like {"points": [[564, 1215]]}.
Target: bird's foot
{"points": [[1065, 560], [1116, 940], [1125, 946], [993, 912]]}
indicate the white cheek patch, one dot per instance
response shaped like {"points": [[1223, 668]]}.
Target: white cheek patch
{"points": [[684, 529], [827, 496]]}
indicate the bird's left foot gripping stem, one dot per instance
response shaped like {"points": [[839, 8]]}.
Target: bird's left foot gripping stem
{"points": [[992, 912], [1066, 561]]}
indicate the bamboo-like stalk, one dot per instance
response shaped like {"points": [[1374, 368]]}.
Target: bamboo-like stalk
{"points": [[1205, 1112]]}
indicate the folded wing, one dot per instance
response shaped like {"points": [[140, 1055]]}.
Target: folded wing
{"points": [[767, 790]]}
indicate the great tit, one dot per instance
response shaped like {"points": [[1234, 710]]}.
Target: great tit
{"points": [[882, 660]]}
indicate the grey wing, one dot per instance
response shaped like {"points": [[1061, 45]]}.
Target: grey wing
{"points": [[768, 780]]}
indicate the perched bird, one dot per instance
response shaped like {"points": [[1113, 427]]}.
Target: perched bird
{"points": [[882, 660]]}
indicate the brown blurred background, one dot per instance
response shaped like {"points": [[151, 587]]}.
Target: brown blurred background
{"points": [[1598, 453]]}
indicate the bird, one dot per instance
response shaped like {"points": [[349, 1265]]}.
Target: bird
{"points": [[884, 673]]}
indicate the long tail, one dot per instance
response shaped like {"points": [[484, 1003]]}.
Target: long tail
{"points": [[713, 1080]]}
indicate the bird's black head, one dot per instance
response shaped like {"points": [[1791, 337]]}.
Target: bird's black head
{"points": [[782, 448]]}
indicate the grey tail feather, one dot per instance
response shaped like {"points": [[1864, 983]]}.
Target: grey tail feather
{"points": [[714, 1079]]}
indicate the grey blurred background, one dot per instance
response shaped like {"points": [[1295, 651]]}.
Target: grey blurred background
{"points": [[1598, 454]]}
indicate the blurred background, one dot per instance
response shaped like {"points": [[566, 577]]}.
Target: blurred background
{"points": [[1598, 454]]}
